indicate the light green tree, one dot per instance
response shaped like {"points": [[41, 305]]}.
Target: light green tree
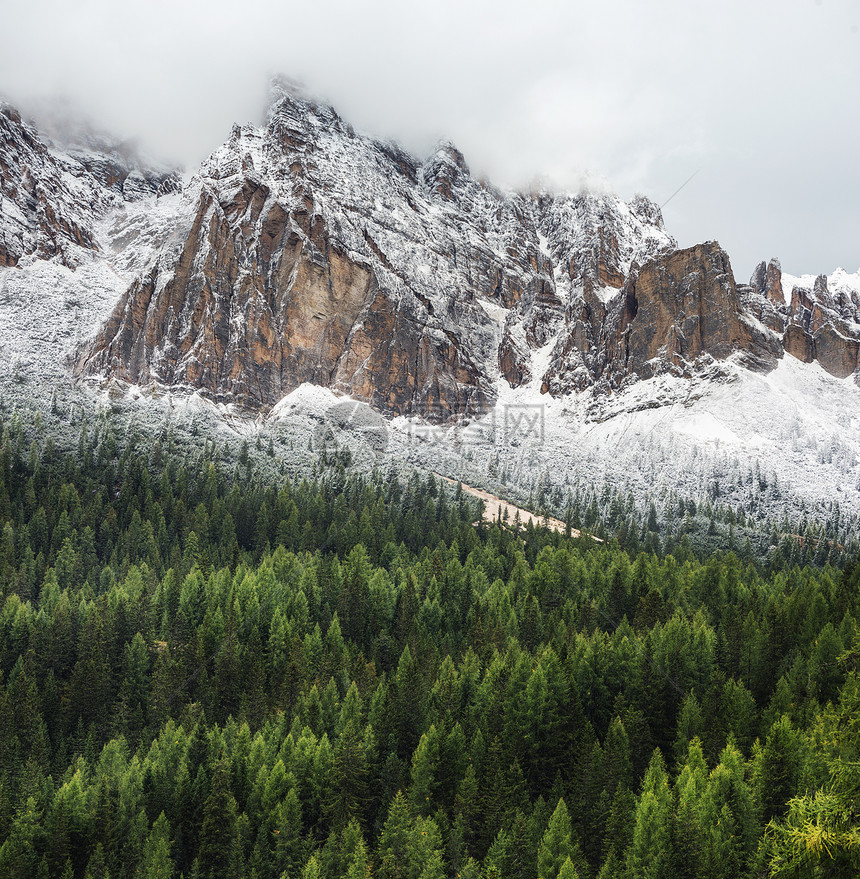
{"points": [[820, 835], [649, 855], [557, 844]]}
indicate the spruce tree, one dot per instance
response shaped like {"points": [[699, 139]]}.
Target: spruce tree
{"points": [[557, 844], [157, 863], [218, 832], [650, 852]]}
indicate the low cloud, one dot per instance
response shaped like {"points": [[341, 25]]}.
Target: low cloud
{"points": [[763, 100]]}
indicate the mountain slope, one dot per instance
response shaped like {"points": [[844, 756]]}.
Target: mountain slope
{"points": [[52, 195], [305, 264]]}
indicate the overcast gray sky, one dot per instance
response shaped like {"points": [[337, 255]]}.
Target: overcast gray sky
{"points": [[761, 98]]}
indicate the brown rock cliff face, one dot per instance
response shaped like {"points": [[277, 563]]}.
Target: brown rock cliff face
{"points": [[767, 280], [263, 298], [671, 313], [248, 317], [816, 324], [313, 254], [836, 353], [799, 343], [683, 306]]}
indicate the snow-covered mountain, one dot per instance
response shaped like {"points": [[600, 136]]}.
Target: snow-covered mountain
{"points": [[316, 254], [302, 253]]}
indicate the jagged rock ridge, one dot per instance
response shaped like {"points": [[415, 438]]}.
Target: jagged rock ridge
{"points": [[305, 252], [52, 194], [817, 319], [320, 255]]}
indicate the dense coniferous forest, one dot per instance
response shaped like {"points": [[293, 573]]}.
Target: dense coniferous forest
{"points": [[206, 675]]}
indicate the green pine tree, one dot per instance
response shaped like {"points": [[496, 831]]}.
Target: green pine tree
{"points": [[157, 863]]}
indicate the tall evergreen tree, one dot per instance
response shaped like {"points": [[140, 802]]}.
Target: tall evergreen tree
{"points": [[218, 853], [157, 863]]}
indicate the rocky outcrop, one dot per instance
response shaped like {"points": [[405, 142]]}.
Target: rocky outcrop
{"points": [[679, 308], [819, 320], [444, 170], [670, 315], [53, 194], [596, 245], [514, 358], [799, 343], [767, 281], [836, 352], [687, 305]]}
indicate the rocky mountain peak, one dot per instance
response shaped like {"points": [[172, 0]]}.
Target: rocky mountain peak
{"points": [[296, 118], [646, 210], [303, 251], [767, 280], [10, 112], [43, 210], [449, 150], [283, 87], [444, 170]]}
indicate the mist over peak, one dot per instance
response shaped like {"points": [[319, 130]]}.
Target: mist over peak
{"points": [[641, 97]]}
